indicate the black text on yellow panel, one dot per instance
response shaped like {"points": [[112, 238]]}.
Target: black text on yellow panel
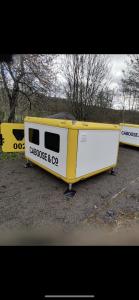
{"points": [[13, 136]]}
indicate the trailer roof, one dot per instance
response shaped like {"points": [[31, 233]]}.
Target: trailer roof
{"points": [[71, 124], [129, 125]]}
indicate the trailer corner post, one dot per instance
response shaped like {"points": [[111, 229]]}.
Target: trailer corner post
{"points": [[72, 154], [70, 186], [71, 160]]}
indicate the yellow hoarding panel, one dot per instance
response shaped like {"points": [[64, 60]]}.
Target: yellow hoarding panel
{"points": [[13, 137], [0, 138]]}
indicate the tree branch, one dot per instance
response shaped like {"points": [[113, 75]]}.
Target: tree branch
{"points": [[5, 82]]}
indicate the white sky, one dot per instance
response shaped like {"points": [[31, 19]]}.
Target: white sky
{"points": [[118, 62]]}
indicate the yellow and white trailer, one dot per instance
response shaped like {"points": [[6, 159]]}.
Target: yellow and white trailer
{"points": [[71, 150], [129, 134]]}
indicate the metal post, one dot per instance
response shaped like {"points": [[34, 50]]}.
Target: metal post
{"points": [[69, 192], [70, 186], [113, 172]]}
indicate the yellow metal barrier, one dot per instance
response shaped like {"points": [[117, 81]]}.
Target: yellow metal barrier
{"points": [[13, 137], [0, 138]]}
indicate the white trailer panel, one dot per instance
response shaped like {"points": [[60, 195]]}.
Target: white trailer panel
{"points": [[97, 149], [55, 161], [129, 134]]}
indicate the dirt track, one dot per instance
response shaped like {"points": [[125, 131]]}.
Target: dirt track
{"points": [[31, 198]]}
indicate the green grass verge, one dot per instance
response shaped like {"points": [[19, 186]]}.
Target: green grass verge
{"points": [[10, 156]]}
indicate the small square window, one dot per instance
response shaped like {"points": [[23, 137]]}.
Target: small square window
{"points": [[52, 141], [34, 136]]}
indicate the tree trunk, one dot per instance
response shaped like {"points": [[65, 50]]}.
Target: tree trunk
{"points": [[11, 118]]}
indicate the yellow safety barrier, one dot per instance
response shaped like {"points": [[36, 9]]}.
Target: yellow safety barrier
{"points": [[0, 138], [13, 137]]}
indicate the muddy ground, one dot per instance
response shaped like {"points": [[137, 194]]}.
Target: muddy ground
{"points": [[32, 199]]}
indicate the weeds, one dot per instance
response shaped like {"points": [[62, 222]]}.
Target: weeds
{"points": [[9, 156]]}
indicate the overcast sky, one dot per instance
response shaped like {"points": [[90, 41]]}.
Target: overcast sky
{"points": [[118, 62]]}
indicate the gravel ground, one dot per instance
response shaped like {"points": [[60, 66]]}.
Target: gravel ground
{"points": [[31, 199]]}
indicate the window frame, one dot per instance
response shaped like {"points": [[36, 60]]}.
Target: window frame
{"points": [[35, 129], [57, 149]]}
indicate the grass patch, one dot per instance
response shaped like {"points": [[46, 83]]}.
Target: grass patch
{"points": [[10, 156]]}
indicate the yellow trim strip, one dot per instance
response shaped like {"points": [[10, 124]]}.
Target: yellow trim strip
{"points": [[93, 173], [72, 124], [72, 153], [70, 180], [118, 149], [129, 125]]}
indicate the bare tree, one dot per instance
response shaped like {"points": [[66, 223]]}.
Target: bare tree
{"points": [[86, 78], [104, 98], [130, 83], [29, 75]]}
